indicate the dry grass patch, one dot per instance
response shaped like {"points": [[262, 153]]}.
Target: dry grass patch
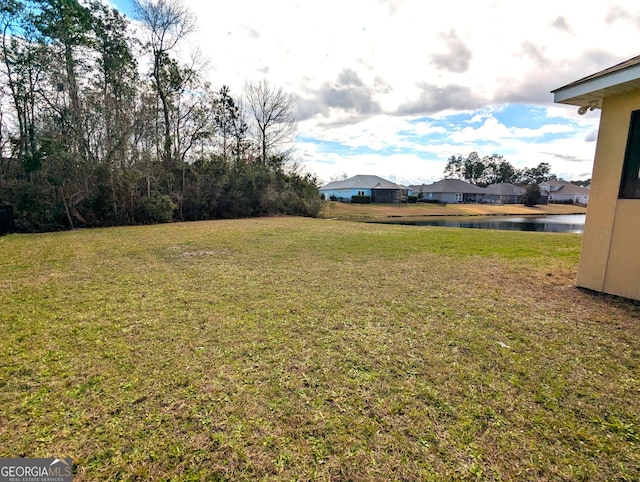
{"points": [[338, 210], [281, 349]]}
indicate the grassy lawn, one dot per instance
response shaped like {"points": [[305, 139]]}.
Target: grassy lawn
{"points": [[300, 349]]}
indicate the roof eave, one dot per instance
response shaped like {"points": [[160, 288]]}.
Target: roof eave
{"points": [[591, 91]]}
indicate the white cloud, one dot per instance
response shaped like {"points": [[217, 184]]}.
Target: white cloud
{"points": [[425, 128], [377, 132], [490, 129], [494, 130]]}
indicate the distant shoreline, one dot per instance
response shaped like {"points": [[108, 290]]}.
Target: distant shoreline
{"points": [[337, 210]]}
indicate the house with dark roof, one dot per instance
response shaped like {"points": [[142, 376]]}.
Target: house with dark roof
{"points": [[380, 190], [608, 260], [449, 191], [564, 192], [503, 193]]}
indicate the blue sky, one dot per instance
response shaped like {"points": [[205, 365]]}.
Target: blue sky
{"points": [[395, 87]]}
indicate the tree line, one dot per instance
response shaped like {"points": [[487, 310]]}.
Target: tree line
{"points": [[495, 169], [99, 128]]}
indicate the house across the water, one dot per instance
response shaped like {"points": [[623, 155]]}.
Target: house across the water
{"points": [[377, 189], [503, 192], [564, 192], [449, 191]]}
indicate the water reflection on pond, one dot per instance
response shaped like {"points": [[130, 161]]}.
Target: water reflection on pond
{"points": [[569, 223]]}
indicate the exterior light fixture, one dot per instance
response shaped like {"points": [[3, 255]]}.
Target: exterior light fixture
{"points": [[591, 106]]}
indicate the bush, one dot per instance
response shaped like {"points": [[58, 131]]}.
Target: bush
{"points": [[7, 222], [360, 199], [412, 199], [36, 207], [158, 209], [333, 198]]}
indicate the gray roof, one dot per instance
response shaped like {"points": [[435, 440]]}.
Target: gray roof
{"points": [[505, 189], [451, 186], [590, 90], [362, 181], [567, 187]]}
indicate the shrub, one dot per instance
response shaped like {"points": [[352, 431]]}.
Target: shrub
{"points": [[412, 199], [360, 199], [158, 209], [7, 222]]}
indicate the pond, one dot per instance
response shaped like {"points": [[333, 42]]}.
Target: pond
{"points": [[567, 223]]}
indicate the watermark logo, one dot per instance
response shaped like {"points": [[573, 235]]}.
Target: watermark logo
{"points": [[36, 470]]}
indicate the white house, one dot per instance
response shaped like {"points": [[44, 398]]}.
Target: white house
{"points": [[564, 192]]}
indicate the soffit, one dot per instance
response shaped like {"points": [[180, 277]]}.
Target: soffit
{"points": [[589, 91]]}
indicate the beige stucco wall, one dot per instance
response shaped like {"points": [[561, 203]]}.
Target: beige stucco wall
{"points": [[623, 269], [609, 261]]}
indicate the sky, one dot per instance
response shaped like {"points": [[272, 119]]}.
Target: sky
{"points": [[396, 87]]}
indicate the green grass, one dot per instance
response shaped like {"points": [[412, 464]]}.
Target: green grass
{"points": [[299, 349]]}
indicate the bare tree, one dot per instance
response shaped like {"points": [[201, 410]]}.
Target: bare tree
{"points": [[167, 22], [274, 124]]}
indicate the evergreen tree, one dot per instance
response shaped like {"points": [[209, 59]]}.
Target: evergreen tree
{"points": [[531, 195]]}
